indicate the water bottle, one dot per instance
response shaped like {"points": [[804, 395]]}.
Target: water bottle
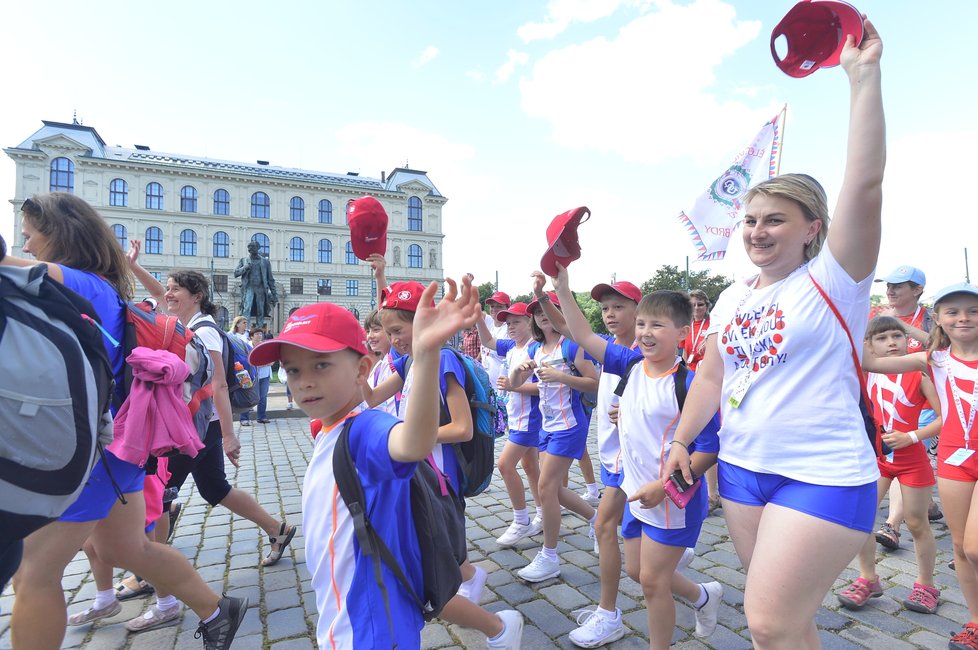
{"points": [[244, 379]]}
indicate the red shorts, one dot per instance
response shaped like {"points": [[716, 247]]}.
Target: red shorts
{"points": [[910, 465], [967, 471]]}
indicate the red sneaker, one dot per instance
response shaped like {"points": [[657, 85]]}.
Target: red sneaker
{"points": [[922, 599], [856, 594], [966, 639]]}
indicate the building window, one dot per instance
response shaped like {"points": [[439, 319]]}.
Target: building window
{"points": [[297, 209], [325, 211], [222, 203], [263, 243], [188, 243], [415, 256], [324, 287], [121, 235], [325, 251], [260, 206], [220, 283], [119, 193], [154, 196], [188, 198], [351, 257], [62, 175], [353, 287], [154, 241], [157, 275], [297, 249], [295, 286], [222, 244], [414, 214]]}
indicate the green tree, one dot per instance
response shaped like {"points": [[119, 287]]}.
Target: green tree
{"points": [[670, 277], [486, 289], [523, 297], [592, 311]]}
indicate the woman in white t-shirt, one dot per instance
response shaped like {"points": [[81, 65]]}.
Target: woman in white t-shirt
{"points": [[797, 472]]}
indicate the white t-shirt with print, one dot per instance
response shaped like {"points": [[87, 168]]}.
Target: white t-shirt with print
{"points": [[212, 340], [800, 418], [491, 360], [609, 446]]}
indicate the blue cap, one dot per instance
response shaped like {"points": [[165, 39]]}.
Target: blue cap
{"points": [[960, 287], [905, 274]]}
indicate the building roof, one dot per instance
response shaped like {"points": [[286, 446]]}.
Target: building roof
{"points": [[89, 139]]}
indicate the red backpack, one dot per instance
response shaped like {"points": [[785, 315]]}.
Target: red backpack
{"points": [[146, 327]]}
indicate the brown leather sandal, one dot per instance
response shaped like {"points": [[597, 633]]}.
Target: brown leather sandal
{"points": [[284, 537]]}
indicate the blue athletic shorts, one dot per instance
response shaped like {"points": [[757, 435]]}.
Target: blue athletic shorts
{"points": [[98, 496], [570, 443], [525, 438], [632, 527], [609, 479], [850, 506]]}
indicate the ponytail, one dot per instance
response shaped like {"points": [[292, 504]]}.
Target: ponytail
{"points": [[938, 339]]}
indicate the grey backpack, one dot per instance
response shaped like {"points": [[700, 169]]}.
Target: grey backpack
{"points": [[55, 388]]}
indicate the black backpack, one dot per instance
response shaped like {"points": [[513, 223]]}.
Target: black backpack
{"points": [[55, 387], [439, 522], [682, 372]]}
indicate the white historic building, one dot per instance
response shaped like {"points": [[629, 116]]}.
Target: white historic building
{"points": [[200, 213]]}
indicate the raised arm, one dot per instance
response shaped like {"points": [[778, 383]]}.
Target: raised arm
{"points": [[554, 314], [151, 284], [485, 336], [854, 237], [577, 326], [378, 263]]}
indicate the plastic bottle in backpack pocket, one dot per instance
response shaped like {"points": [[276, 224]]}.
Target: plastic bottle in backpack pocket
{"points": [[244, 379]]}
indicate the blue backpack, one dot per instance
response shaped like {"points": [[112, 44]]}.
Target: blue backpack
{"points": [[233, 351]]}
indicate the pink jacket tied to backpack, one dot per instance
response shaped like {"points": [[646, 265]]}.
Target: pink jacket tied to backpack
{"points": [[154, 418]]}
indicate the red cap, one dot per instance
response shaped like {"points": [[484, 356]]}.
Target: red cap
{"points": [[815, 31], [532, 307], [516, 309], [623, 288], [402, 295], [500, 298], [562, 240], [368, 227], [323, 327]]}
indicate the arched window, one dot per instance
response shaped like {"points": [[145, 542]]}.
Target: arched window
{"points": [[351, 257], [154, 241], [260, 206], [297, 209], [325, 251], [188, 243], [119, 193], [62, 175], [222, 203], [414, 214], [325, 211], [415, 256], [121, 235], [188, 198], [297, 249], [154, 196], [263, 243], [222, 244]]}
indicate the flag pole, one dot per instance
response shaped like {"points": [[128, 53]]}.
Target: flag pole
{"points": [[784, 120]]}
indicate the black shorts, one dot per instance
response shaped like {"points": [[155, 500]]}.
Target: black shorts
{"points": [[207, 467]]}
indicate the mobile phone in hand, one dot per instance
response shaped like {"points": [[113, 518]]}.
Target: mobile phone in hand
{"points": [[678, 490]]}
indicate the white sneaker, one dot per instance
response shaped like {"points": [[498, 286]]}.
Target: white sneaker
{"points": [[291, 406], [515, 533], [706, 616], [687, 557], [512, 635], [596, 629], [540, 569], [472, 588], [536, 525], [591, 500]]}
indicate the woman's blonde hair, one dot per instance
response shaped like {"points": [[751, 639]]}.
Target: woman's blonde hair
{"points": [[238, 320], [808, 194]]}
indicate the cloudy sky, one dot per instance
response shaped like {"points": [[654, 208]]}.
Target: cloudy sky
{"points": [[518, 110]]}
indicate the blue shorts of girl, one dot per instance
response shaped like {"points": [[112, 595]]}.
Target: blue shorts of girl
{"points": [[632, 527], [850, 506], [98, 496], [570, 443], [525, 438], [610, 480]]}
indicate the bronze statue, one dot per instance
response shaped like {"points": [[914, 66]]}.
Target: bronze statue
{"points": [[258, 292]]}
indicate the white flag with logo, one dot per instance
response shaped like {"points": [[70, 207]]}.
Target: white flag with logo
{"points": [[717, 212]]}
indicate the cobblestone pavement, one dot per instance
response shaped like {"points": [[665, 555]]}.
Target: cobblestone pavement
{"points": [[226, 550]]}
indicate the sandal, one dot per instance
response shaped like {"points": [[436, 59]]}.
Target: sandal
{"points": [[125, 592], [173, 514], [714, 503], [285, 535]]}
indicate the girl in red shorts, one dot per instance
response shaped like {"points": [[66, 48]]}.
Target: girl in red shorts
{"points": [[897, 401], [952, 363]]}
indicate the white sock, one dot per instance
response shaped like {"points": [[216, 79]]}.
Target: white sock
{"points": [[167, 602], [550, 553], [592, 489], [212, 616], [703, 599], [606, 615], [594, 517], [537, 514], [521, 516], [500, 635], [104, 598]]}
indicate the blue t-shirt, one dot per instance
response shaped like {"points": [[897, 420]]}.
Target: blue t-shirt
{"points": [[108, 305]]}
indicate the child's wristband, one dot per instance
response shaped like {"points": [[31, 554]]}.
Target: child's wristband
{"points": [[913, 436], [678, 442]]}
